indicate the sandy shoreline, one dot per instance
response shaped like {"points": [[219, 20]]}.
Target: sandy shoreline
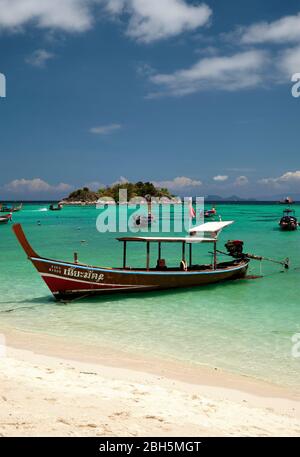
{"points": [[52, 388]]}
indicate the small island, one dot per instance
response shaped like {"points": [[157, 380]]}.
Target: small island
{"points": [[140, 189]]}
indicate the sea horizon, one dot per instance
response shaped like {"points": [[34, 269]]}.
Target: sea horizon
{"points": [[208, 201]]}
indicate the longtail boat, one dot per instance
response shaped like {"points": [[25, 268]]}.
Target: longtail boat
{"points": [[144, 221], [288, 222], [5, 219], [210, 213], [59, 207], [70, 280], [17, 208], [287, 201], [10, 209]]}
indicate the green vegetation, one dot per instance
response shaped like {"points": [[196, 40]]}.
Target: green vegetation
{"points": [[83, 195], [139, 189]]}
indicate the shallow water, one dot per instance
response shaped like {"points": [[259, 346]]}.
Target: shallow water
{"points": [[242, 326]]}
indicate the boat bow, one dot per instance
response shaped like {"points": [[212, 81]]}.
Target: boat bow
{"points": [[18, 230]]}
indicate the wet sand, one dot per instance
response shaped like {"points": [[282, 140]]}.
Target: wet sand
{"points": [[52, 387]]}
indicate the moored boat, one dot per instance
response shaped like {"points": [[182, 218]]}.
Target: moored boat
{"points": [[10, 209], [69, 280], [287, 201], [289, 222], [5, 219], [59, 207], [17, 208], [210, 213], [144, 221]]}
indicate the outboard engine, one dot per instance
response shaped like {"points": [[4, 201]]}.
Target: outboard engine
{"points": [[235, 248]]}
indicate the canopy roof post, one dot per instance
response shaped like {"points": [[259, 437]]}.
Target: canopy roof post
{"points": [[159, 250], [183, 251], [148, 256], [124, 254], [215, 256], [191, 255]]}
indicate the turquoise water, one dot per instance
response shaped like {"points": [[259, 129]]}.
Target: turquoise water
{"points": [[243, 326]]}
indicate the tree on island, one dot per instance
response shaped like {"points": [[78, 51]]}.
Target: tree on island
{"points": [[83, 195], [139, 189]]}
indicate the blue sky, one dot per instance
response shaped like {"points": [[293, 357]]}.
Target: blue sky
{"points": [[195, 96]]}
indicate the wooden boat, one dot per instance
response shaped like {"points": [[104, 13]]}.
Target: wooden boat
{"points": [[210, 213], [17, 208], [288, 222], [4, 208], [69, 280], [5, 219], [287, 201], [144, 221], [10, 209], [56, 208]]}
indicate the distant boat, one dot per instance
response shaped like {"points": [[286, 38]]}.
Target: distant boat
{"points": [[10, 209], [5, 219], [144, 221], [288, 222], [287, 201], [70, 280], [56, 208], [17, 208], [210, 213]]}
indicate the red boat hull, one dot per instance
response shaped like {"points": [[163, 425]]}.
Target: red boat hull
{"points": [[67, 280]]}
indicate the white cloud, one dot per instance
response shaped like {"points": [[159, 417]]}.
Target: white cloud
{"points": [[289, 61], [220, 178], [39, 58], [34, 185], [121, 180], [241, 181], [67, 15], [238, 71], [178, 183], [149, 20], [115, 6], [152, 20], [286, 29], [290, 177], [105, 129]]}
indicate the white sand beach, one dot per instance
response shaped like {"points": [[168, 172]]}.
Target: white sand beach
{"points": [[43, 394]]}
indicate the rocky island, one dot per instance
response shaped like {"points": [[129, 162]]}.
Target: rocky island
{"points": [[140, 189]]}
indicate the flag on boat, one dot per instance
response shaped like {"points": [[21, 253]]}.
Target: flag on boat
{"points": [[192, 212]]}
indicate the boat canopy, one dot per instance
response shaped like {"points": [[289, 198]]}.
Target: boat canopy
{"points": [[154, 239], [211, 227]]}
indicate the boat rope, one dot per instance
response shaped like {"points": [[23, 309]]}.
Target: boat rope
{"points": [[260, 268], [17, 308], [10, 310]]}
